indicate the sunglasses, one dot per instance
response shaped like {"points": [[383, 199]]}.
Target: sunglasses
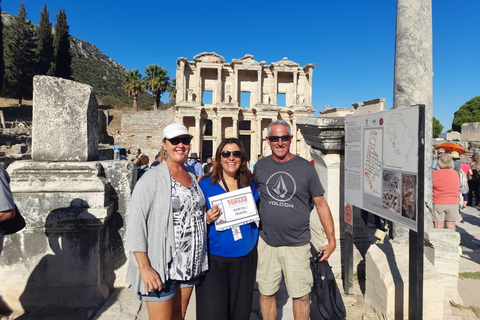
{"points": [[276, 138], [226, 154], [177, 140]]}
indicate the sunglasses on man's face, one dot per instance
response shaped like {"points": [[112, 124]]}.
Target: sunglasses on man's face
{"points": [[276, 138], [226, 154], [177, 140]]}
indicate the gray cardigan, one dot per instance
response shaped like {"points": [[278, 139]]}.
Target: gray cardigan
{"points": [[150, 224]]}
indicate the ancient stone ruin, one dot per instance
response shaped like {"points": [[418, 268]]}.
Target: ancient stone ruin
{"points": [[71, 252]]}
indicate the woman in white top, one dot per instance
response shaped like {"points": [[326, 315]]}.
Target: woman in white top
{"points": [[166, 231]]}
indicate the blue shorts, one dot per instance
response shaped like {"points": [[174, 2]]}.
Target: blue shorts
{"points": [[168, 290]]}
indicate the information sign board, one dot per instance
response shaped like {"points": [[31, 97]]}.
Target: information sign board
{"points": [[381, 163]]}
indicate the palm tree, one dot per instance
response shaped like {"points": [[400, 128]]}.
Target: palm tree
{"points": [[133, 85], [156, 80], [172, 89]]}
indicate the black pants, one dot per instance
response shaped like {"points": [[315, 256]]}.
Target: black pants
{"points": [[225, 292], [473, 188]]}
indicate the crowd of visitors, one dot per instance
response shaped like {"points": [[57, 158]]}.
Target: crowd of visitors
{"points": [[455, 186]]}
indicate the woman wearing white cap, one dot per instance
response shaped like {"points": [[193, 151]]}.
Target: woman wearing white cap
{"points": [[166, 231]]}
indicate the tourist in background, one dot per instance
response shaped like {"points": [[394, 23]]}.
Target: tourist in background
{"points": [[166, 231], [7, 206], [473, 183], [141, 161], [464, 190], [193, 165], [446, 185], [208, 166], [225, 291]]}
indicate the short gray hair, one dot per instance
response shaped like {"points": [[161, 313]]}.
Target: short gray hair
{"points": [[445, 161], [281, 122]]}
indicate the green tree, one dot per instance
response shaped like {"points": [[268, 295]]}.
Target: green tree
{"points": [[172, 89], [469, 112], [133, 86], [61, 44], [45, 61], [437, 128], [2, 64], [156, 81], [19, 57]]}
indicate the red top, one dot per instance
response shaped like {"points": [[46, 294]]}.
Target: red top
{"points": [[446, 186]]}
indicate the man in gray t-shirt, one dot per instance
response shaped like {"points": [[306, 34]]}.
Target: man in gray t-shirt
{"points": [[289, 189]]}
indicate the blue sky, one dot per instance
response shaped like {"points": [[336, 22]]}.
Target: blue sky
{"points": [[352, 42]]}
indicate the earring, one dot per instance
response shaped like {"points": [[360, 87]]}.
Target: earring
{"points": [[164, 154]]}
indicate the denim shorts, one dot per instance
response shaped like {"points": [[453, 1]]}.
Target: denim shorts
{"points": [[168, 290]]}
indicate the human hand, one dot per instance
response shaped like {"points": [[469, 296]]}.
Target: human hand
{"points": [[327, 250], [150, 279], [213, 214]]}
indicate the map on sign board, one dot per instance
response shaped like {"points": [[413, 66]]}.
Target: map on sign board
{"points": [[381, 163]]}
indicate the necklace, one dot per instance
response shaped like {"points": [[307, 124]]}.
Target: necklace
{"points": [[226, 187]]}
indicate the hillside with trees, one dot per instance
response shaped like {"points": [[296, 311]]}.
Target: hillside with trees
{"points": [[79, 60]]}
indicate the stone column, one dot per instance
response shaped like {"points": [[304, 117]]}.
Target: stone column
{"points": [[259, 86], [309, 98], [413, 83], [218, 135], [295, 89], [295, 136], [235, 85], [181, 82], [219, 93], [235, 126], [259, 136], [275, 87], [197, 138], [199, 85]]}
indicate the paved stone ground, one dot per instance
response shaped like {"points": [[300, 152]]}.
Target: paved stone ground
{"points": [[123, 305]]}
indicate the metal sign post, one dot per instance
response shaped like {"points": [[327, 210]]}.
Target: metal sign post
{"points": [[348, 284], [415, 302]]}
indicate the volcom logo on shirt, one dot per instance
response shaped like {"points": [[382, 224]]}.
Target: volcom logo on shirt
{"points": [[281, 186]]}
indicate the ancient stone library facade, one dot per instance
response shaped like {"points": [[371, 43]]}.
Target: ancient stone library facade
{"points": [[218, 99]]}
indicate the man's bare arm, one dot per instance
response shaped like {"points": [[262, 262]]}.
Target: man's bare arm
{"points": [[326, 219], [6, 215]]}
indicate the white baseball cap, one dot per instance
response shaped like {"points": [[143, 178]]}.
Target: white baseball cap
{"points": [[174, 130]]}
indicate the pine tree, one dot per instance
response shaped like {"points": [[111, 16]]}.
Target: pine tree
{"points": [[45, 62], [19, 57], [63, 58]]}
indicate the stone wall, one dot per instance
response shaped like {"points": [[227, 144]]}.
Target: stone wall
{"points": [[471, 131], [143, 130]]}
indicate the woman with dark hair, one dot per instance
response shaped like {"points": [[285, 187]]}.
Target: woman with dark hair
{"points": [[225, 292]]}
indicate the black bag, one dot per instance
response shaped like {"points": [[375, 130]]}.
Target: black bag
{"points": [[13, 225], [327, 303]]}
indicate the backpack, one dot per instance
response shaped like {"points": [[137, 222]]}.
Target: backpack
{"points": [[463, 179], [327, 303]]}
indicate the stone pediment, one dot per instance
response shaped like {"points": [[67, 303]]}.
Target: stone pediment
{"points": [[286, 63], [209, 57], [247, 60]]}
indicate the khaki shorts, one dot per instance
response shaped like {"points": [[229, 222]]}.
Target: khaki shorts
{"points": [[293, 262], [445, 212]]}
